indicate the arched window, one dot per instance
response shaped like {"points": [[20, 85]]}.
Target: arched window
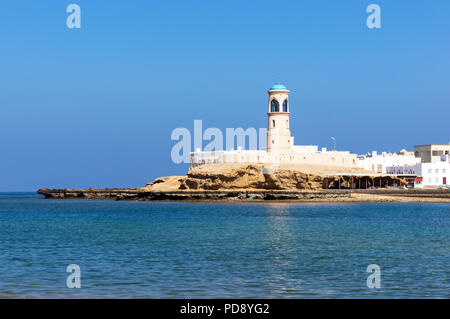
{"points": [[274, 106], [285, 109]]}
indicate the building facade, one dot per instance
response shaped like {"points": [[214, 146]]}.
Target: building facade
{"points": [[378, 163], [429, 174], [431, 153]]}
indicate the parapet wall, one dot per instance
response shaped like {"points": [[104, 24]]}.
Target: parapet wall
{"points": [[327, 158]]}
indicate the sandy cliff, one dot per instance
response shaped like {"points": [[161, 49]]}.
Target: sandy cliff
{"points": [[246, 176]]}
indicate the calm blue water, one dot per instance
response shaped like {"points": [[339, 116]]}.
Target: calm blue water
{"points": [[151, 249]]}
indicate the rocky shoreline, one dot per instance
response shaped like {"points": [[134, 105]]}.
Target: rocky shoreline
{"points": [[143, 195], [140, 194], [250, 183]]}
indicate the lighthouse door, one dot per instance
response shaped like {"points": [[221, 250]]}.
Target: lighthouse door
{"points": [[444, 180]]}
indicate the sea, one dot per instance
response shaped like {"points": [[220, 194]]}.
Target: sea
{"points": [[127, 249]]}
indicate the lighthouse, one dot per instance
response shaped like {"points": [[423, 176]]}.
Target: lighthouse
{"points": [[280, 147], [278, 133]]}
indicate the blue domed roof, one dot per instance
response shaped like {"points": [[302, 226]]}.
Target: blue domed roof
{"points": [[278, 87]]}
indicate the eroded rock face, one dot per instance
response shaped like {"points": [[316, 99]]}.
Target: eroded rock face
{"points": [[249, 177]]}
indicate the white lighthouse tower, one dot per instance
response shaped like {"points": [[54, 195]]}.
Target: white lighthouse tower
{"points": [[278, 133]]}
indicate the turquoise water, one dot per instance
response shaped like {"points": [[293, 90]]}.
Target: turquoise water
{"points": [[181, 249]]}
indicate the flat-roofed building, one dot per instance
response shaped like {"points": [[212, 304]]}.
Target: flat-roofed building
{"points": [[431, 153], [428, 174], [378, 163]]}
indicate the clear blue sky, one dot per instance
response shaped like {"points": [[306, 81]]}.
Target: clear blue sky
{"points": [[95, 107]]}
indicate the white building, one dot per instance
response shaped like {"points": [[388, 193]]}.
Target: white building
{"points": [[378, 163], [280, 144], [429, 174], [431, 153]]}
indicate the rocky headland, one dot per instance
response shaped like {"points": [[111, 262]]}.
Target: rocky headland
{"points": [[250, 182]]}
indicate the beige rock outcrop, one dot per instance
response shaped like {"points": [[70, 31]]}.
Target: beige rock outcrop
{"points": [[231, 177]]}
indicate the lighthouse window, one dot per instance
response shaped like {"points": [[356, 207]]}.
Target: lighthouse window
{"points": [[273, 123], [274, 106], [285, 106]]}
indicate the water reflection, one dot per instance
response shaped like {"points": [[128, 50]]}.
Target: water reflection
{"points": [[283, 272]]}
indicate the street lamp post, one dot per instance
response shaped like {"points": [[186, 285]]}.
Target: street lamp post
{"points": [[334, 144]]}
